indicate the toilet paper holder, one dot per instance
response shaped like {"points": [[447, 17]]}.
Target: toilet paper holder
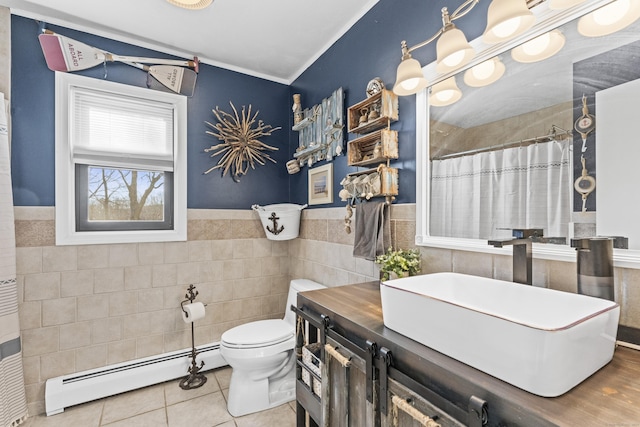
{"points": [[190, 296], [195, 379]]}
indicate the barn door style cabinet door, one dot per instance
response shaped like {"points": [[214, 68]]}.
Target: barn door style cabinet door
{"points": [[351, 397], [341, 383], [345, 389], [339, 393]]}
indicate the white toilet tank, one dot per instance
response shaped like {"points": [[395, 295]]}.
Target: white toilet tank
{"points": [[298, 285]]}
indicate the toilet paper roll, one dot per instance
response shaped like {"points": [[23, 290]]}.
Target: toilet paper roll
{"points": [[192, 312]]}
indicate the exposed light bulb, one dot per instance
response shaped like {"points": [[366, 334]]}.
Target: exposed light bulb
{"points": [[612, 12], [537, 45]]}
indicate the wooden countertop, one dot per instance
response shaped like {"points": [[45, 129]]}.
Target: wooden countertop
{"points": [[610, 397]]}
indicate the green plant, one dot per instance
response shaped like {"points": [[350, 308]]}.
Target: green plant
{"points": [[401, 262]]}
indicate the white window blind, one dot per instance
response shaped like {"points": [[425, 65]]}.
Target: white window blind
{"points": [[110, 129]]}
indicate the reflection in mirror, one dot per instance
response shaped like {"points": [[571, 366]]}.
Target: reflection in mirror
{"points": [[511, 144]]}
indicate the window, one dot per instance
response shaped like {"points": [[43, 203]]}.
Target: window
{"points": [[120, 163], [110, 198]]}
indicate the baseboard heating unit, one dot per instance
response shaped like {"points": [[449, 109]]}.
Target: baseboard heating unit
{"points": [[81, 387]]}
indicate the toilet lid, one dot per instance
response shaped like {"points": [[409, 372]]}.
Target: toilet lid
{"points": [[258, 334]]}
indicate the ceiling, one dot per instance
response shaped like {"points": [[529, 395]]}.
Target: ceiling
{"points": [[275, 39]]}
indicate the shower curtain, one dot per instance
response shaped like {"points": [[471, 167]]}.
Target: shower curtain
{"points": [[13, 406], [485, 195]]}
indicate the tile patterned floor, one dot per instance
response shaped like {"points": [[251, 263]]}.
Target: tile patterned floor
{"points": [[169, 406]]}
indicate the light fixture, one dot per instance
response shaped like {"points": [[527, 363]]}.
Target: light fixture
{"points": [[563, 4], [609, 18], [539, 48], [191, 4], [484, 73], [507, 19], [452, 48], [445, 93], [409, 76]]}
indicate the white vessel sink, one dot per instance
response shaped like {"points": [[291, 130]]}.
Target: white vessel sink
{"points": [[540, 340]]}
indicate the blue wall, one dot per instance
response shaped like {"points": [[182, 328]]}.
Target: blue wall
{"points": [[371, 48], [33, 131]]}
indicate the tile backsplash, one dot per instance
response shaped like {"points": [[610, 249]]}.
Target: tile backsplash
{"points": [[84, 307]]}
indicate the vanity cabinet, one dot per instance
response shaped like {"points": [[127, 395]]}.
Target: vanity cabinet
{"points": [[345, 397], [386, 367], [342, 399], [358, 387]]}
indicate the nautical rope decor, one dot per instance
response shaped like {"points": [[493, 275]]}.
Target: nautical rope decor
{"points": [[404, 406]]}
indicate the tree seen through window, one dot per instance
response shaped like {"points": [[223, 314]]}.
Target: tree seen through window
{"points": [[125, 195]]}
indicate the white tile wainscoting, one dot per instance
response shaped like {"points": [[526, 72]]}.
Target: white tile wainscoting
{"points": [[83, 307]]}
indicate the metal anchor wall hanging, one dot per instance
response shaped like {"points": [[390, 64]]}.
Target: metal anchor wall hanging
{"points": [[275, 230]]}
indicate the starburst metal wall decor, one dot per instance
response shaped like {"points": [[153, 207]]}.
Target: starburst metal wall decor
{"points": [[241, 147]]}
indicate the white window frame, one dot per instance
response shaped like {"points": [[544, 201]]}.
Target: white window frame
{"points": [[66, 233]]}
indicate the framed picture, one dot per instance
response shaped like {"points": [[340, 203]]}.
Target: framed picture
{"points": [[321, 185]]}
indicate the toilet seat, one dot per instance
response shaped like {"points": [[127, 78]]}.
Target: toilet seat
{"points": [[262, 333]]}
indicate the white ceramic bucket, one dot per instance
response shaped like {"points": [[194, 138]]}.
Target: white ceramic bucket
{"points": [[280, 221]]}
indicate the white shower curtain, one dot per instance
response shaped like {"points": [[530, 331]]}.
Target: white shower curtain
{"points": [[485, 195], [13, 406]]}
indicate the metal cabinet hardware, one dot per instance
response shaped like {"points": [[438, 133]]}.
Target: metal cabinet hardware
{"points": [[385, 358], [372, 350], [477, 412]]}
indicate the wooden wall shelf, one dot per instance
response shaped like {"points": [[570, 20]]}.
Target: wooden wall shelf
{"points": [[376, 147], [388, 179], [385, 103]]}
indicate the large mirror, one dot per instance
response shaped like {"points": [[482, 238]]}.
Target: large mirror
{"points": [[523, 151]]}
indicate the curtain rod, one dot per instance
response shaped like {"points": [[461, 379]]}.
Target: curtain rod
{"points": [[553, 134]]}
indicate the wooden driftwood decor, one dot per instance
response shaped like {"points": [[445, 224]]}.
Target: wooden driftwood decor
{"points": [[321, 135], [241, 147]]}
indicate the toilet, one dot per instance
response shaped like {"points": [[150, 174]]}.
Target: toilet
{"points": [[262, 357]]}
